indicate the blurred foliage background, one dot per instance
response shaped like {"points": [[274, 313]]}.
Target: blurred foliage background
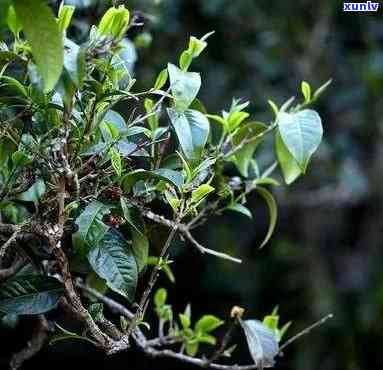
{"points": [[326, 255]]}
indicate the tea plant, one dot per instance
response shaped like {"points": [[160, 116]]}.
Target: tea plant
{"points": [[91, 169]]}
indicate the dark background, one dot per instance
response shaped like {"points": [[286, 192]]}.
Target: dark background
{"points": [[326, 254]]}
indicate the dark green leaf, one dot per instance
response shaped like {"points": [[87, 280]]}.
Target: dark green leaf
{"points": [[173, 177], [34, 193], [132, 215], [140, 247], [112, 259], [251, 132], [273, 210], [237, 207], [29, 295], [91, 228]]}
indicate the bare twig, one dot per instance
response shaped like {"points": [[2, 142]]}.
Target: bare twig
{"points": [[305, 331], [152, 280], [13, 269], [184, 229], [8, 243]]}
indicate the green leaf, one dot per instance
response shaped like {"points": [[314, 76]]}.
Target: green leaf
{"points": [[29, 295], [237, 207], [252, 133], [196, 46], [74, 62], [161, 79], [173, 177], [140, 247], [185, 321], [91, 229], [14, 84], [301, 133], [115, 158], [184, 85], [208, 339], [34, 193], [290, 169], [160, 297], [96, 283], [112, 259], [114, 22], [263, 345], [96, 310], [152, 118], [192, 348], [283, 330], [65, 16], [271, 321], [13, 23], [274, 107], [66, 335], [44, 37], [273, 210], [4, 6], [306, 91], [192, 130], [19, 159], [185, 60], [207, 323], [201, 192], [132, 215], [235, 119]]}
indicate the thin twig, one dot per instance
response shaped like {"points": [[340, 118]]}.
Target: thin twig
{"points": [[305, 331], [152, 280], [184, 229], [8, 243]]}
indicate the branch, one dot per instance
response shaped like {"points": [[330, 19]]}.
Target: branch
{"points": [[185, 230], [152, 280], [305, 331], [203, 250], [10, 271]]}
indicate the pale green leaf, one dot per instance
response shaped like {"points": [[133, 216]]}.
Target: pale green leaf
{"points": [[184, 85], [44, 37], [207, 323], [262, 343], [201, 192], [301, 133], [192, 131], [290, 169], [161, 79]]}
